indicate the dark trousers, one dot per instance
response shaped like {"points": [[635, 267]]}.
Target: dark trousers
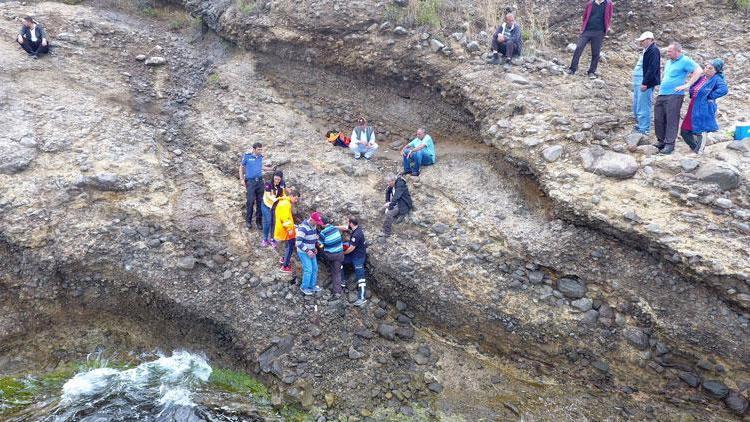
{"points": [[34, 47], [691, 138], [667, 118], [390, 215], [507, 48], [254, 196], [596, 38], [336, 261]]}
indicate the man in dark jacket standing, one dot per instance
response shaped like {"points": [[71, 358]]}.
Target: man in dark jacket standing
{"points": [[397, 201], [32, 38], [507, 40], [646, 76], [597, 19]]}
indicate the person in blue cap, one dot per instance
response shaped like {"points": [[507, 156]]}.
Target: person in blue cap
{"points": [[701, 113]]}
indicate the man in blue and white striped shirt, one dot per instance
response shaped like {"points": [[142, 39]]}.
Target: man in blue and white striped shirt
{"points": [[333, 250], [307, 241]]}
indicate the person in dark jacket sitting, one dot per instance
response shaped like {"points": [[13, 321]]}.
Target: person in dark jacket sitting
{"points": [[507, 40], [398, 201], [32, 38]]}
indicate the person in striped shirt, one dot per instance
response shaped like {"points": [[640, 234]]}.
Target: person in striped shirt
{"points": [[307, 250], [332, 244]]}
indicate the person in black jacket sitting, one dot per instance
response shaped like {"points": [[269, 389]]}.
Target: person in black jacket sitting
{"points": [[32, 38], [646, 76], [398, 201]]}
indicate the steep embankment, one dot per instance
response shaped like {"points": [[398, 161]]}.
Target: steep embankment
{"points": [[144, 198]]}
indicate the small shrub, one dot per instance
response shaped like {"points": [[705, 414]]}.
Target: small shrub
{"points": [[418, 12], [742, 4], [150, 11], [246, 7]]}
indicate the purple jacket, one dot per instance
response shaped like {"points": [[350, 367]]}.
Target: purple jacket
{"points": [[609, 10]]}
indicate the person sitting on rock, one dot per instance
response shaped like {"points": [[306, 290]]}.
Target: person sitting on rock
{"points": [[507, 40], [33, 38], [307, 250], [419, 152], [338, 139], [284, 230], [356, 254], [363, 140], [398, 201], [272, 192], [331, 241]]}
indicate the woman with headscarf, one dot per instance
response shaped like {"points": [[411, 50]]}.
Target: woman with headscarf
{"points": [[273, 190], [701, 114]]}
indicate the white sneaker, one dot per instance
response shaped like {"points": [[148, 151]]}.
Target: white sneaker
{"points": [[360, 302], [701, 145]]}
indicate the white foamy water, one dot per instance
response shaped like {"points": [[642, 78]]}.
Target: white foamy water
{"points": [[164, 384]]}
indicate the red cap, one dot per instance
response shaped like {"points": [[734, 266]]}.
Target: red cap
{"points": [[317, 218]]}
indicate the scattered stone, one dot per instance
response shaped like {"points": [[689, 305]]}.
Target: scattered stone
{"points": [[690, 378], [355, 354], [405, 332], [516, 79], [571, 47], [601, 366], [330, 399], [552, 153], [647, 150], [632, 216], [435, 387], [688, 164], [536, 277], [741, 146], [633, 140], [607, 163], [400, 306], [380, 313], [186, 263], [715, 389], [723, 203], [582, 304], [736, 402], [140, 57], [387, 331], [571, 288], [15, 158], [723, 175], [436, 45], [440, 228], [400, 30], [636, 337], [590, 317], [473, 47], [155, 61]]}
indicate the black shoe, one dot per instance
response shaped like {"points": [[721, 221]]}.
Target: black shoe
{"points": [[34, 56], [259, 226], [668, 149], [660, 145], [570, 72], [415, 174], [592, 75], [508, 60]]}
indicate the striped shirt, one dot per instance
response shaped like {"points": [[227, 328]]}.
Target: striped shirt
{"points": [[330, 237], [307, 237]]}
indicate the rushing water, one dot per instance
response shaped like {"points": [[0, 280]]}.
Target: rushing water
{"points": [[156, 390]]}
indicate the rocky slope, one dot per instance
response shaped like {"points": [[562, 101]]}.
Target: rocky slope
{"points": [[589, 295]]}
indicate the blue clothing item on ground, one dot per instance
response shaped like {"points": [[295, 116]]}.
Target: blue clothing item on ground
{"points": [[642, 106], [358, 263], [330, 238], [358, 241], [704, 107], [676, 73], [417, 160], [267, 221], [288, 253], [428, 150], [309, 271], [253, 165]]}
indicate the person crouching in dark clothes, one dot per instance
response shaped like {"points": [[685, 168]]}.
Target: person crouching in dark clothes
{"points": [[398, 202], [32, 38]]}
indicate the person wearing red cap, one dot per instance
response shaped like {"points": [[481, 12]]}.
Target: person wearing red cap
{"points": [[307, 241]]}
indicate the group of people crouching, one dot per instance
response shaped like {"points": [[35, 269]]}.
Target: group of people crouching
{"points": [[317, 236]]}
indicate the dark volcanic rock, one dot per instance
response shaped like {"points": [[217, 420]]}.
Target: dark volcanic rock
{"points": [[571, 287], [736, 402], [716, 389], [690, 379], [636, 337], [387, 331]]}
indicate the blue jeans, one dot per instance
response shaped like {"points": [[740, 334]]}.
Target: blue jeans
{"points": [[642, 106], [266, 221], [309, 270], [368, 152], [290, 245], [359, 266], [419, 159]]}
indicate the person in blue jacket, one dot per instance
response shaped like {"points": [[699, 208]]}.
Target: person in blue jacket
{"points": [[701, 113], [506, 40]]}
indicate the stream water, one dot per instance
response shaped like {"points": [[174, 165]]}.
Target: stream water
{"points": [[157, 390]]}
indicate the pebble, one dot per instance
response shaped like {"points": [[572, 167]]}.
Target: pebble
{"points": [[582, 304], [552, 153], [387, 331], [715, 389], [736, 402], [571, 288], [155, 61]]}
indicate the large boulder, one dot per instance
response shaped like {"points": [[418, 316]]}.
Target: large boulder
{"points": [[723, 175], [15, 158], [608, 163]]}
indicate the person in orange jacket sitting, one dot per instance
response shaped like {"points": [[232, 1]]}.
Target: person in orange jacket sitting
{"points": [[284, 230]]}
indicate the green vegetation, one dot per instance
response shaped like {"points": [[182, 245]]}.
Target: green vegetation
{"points": [[238, 382], [742, 4], [247, 7], [293, 413], [150, 11], [14, 394], [418, 12]]}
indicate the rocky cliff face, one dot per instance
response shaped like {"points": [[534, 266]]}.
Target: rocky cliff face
{"points": [[531, 241]]}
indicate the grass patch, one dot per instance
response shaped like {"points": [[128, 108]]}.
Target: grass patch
{"points": [[742, 4], [246, 7], [418, 12], [238, 382]]}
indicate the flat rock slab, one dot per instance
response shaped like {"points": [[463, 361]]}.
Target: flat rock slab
{"points": [[716, 389], [608, 163], [723, 175], [571, 288]]}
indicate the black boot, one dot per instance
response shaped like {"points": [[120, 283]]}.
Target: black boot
{"points": [[668, 149]]}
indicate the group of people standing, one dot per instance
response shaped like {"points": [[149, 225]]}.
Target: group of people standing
{"points": [[703, 84], [271, 205]]}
